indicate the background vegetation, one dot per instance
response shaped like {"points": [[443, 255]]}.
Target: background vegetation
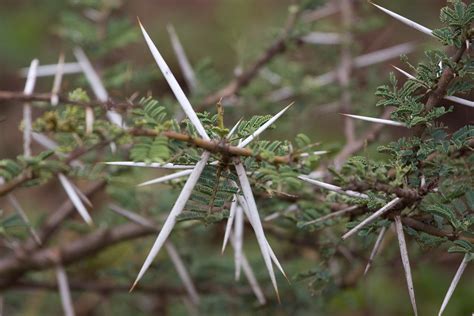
{"points": [[222, 39]]}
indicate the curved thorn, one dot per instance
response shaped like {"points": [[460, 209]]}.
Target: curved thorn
{"points": [[373, 216], [174, 85]]}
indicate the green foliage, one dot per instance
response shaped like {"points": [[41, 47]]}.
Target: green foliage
{"points": [[79, 27], [248, 127], [9, 169], [211, 195], [409, 108], [42, 167]]}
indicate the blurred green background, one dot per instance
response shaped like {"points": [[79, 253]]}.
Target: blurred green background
{"points": [[231, 33]]}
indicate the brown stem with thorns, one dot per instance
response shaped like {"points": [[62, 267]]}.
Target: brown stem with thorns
{"points": [[446, 77], [214, 146], [29, 175]]}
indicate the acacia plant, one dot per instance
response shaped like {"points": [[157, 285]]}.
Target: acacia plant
{"points": [[320, 213]]}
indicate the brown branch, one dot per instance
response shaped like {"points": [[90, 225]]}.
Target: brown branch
{"points": [[446, 77], [53, 221], [27, 174], [101, 287], [51, 225], [408, 221], [242, 80], [112, 287], [15, 182], [345, 69], [370, 136], [13, 268], [215, 146], [429, 229]]}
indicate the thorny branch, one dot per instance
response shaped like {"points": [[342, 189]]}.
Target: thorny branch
{"points": [[27, 174], [30, 257], [215, 146], [242, 80]]}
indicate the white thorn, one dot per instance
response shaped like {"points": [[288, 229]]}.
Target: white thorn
{"points": [[375, 250], [75, 199], [276, 261], [270, 76], [314, 153], [182, 272], [168, 177], [234, 128], [454, 283], [382, 55], [273, 216], [31, 77], [406, 262], [96, 84], [406, 74], [447, 97], [365, 61], [280, 94], [175, 211], [262, 128], [89, 120], [183, 61], [375, 120], [64, 291], [322, 38], [58, 76], [44, 141], [255, 221], [91, 75], [333, 188], [133, 217], [331, 215], [245, 207], [174, 85], [406, 21], [239, 238], [81, 195], [230, 221], [387, 207], [251, 277], [173, 253], [149, 165], [459, 100]]}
